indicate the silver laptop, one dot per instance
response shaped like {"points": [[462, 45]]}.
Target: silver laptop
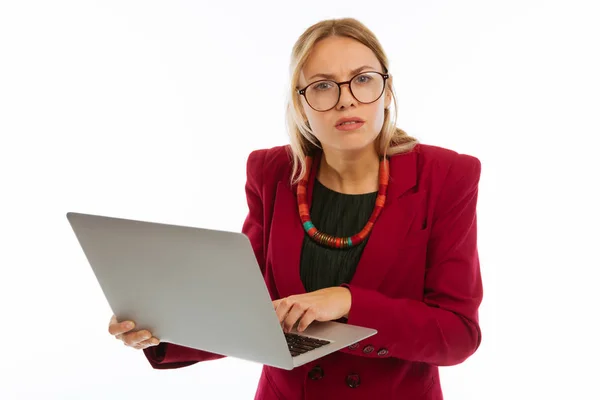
{"points": [[199, 288]]}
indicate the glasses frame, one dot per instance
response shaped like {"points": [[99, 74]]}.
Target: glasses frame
{"points": [[302, 91]]}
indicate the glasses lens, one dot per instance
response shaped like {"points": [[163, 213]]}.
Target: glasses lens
{"points": [[322, 95], [367, 87]]}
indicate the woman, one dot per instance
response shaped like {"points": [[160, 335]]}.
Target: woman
{"points": [[356, 221]]}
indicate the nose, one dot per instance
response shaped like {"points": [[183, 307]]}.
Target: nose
{"points": [[346, 97]]}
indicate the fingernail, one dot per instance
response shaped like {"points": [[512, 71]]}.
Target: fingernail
{"points": [[129, 325]]}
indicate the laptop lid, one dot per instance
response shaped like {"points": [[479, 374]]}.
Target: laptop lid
{"points": [[195, 287]]}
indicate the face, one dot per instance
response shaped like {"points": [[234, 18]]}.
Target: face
{"points": [[340, 57]]}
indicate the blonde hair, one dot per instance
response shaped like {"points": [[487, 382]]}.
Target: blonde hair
{"points": [[391, 139]]}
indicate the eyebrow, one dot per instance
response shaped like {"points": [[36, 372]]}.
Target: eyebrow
{"points": [[353, 72]]}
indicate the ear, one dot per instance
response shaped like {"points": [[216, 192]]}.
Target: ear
{"points": [[388, 92], [388, 98]]}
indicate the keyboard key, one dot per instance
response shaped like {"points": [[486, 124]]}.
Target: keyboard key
{"points": [[298, 344]]}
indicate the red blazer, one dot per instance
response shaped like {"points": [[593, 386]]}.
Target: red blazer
{"points": [[418, 281]]}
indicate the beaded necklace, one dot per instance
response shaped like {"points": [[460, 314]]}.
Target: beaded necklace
{"points": [[329, 240]]}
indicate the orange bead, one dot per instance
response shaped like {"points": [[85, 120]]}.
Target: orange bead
{"points": [[331, 241]]}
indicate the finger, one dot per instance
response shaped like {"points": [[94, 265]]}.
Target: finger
{"points": [[293, 316], [283, 308], [146, 343], [112, 323], [309, 316], [134, 338], [276, 303], [116, 328]]}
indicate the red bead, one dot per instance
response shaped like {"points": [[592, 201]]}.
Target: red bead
{"points": [[331, 241]]}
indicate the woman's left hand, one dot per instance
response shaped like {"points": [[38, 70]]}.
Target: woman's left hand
{"points": [[321, 305]]}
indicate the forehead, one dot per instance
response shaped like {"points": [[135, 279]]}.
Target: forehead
{"points": [[338, 56]]}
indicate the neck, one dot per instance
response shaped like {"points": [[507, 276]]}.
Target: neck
{"points": [[350, 172]]}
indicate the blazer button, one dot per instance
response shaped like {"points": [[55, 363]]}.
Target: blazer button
{"points": [[383, 352], [368, 349], [316, 373], [353, 346], [353, 380]]}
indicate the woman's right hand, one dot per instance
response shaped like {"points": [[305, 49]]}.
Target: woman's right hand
{"points": [[136, 339]]}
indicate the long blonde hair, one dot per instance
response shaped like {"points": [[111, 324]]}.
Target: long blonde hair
{"points": [[391, 140]]}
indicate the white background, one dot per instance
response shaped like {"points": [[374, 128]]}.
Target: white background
{"points": [[148, 110]]}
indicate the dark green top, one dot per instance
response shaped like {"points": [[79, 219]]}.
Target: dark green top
{"points": [[340, 215]]}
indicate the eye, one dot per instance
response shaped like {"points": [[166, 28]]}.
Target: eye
{"points": [[363, 78], [323, 86]]}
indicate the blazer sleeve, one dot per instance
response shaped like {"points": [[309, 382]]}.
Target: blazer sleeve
{"points": [[169, 355], [442, 329]]}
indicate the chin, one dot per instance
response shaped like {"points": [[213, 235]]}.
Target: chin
{"points": [[351, 145], [353, 141]]}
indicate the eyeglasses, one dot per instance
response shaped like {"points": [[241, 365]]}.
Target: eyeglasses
{"points": [[366, 87]]}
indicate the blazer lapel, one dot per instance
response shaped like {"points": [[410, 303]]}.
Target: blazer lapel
{"points": [[287, 236], [285, 244], [383, 246]]}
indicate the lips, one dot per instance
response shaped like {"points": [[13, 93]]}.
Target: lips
{"points": [[348, 119]]}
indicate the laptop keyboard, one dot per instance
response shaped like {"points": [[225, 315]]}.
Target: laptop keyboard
{"points": [[301, 344]]}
